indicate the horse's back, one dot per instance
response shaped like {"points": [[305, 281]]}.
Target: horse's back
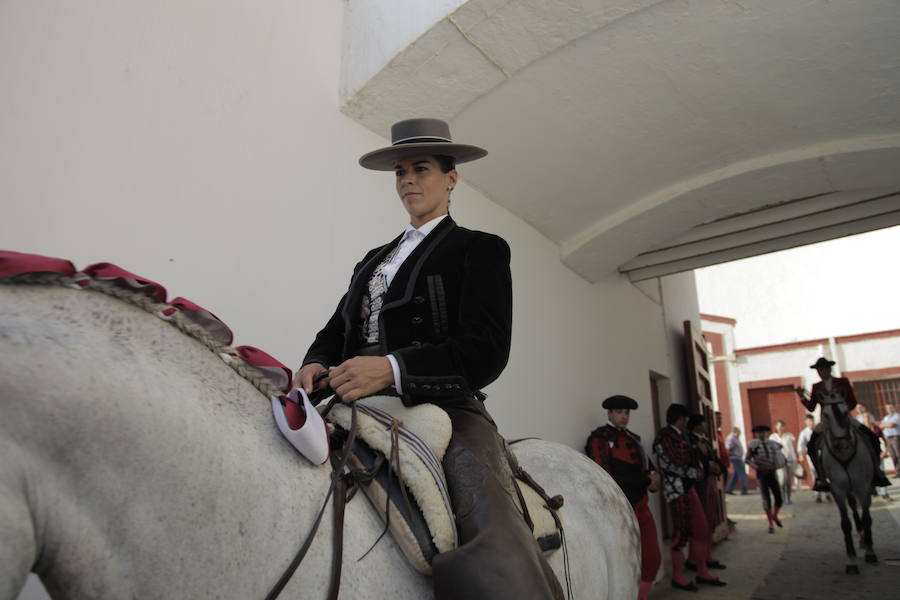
{"points": [[599, 523]]}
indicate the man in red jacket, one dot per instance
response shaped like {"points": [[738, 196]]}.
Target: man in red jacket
{"points": [[837, 386], [724, 457], [620, 452]]}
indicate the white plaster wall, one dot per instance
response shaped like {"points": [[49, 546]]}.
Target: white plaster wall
{"points": [[200, 144], [680, 304], [877, 353], [776, 365]]}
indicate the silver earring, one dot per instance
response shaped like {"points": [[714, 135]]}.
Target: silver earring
{"points": [[450, 189]]}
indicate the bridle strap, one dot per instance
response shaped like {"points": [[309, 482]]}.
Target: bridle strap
{"points": [[338, 488]]}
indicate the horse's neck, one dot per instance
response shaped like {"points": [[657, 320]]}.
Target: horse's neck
{"points": [[90, 370], [837, 421], [110, 407]]}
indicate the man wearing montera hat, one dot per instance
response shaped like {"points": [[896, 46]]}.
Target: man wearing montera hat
{"points": [[837, 386], [681, 472], [428, 317], [766, 457], [618, 450]]}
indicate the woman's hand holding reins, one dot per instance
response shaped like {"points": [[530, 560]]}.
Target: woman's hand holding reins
{"points": [[361, 376], [304, 378]]}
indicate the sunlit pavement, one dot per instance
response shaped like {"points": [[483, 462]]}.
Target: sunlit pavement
{"points": [[805, 560]]}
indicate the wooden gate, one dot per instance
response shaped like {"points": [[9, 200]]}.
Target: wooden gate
{"points": [[700, 402]]}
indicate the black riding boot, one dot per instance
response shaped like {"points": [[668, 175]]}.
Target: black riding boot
{"points": [[812, 448], [879, 479]]}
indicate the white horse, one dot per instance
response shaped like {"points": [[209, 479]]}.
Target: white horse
{"points": [[848, 466], [135, 464]]}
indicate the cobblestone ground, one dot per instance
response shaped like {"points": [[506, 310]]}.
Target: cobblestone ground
{"points": [[803, 561]]}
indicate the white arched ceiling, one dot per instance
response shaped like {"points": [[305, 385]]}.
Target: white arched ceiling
{"points": [[657, 136]]}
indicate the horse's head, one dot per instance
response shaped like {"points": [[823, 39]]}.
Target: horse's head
{"points": [[837, 416]]}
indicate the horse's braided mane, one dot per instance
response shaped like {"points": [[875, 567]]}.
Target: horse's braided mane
{"points": [[229, 355]]}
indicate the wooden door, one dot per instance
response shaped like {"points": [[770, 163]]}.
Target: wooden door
{"points": [[770, 404], [700, 402]]}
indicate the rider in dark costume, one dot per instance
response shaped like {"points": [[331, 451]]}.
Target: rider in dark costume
{"points": [[839, 386], [428, 317]]}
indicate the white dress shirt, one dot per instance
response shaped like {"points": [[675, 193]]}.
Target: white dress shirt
{"points": [[803, 440], [787, 445], [412, 237]]}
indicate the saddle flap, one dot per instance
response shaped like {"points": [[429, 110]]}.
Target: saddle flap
{"points": [[407, 523], [423, 437]]}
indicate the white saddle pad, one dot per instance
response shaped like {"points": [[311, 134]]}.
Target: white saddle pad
{"points": [[429, 425]]}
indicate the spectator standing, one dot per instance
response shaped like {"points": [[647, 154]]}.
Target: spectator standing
{"points": [[871, 424], [861, 412], [618, 450], [890, 427], [785, 474], [724, 460], [803, 451], [736, 455], [765, 456], [681, 473]]}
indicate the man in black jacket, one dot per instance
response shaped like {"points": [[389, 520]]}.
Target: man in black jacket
{"points": [[428, 317]]}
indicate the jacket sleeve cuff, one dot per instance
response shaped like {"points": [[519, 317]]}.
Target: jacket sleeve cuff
{"points": [[396, 369], [417, 389]]}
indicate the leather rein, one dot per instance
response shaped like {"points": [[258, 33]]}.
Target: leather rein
{"points": [[338, 489]]}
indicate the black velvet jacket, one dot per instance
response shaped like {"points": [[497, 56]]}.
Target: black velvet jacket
{"points": [[446, 318]]}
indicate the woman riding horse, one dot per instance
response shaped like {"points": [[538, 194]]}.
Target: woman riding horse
{"points": [[428, 317], [838, 386]]}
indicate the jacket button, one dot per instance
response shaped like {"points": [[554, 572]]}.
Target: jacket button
{"points": [[418, 300], [416, 343], [412, 386], [417, 320], [448, 386], [426, 386]]}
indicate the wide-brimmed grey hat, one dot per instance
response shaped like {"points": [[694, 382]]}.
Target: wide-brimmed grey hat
{"points": [[822, 363], [418, 137]]}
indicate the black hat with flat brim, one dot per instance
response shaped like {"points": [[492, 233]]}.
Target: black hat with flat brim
{"points": [[419, 137], [620, 402], [822, 363], [761, 428]]}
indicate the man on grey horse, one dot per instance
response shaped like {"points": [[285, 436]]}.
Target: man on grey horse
{"points": [[837, 386]]}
